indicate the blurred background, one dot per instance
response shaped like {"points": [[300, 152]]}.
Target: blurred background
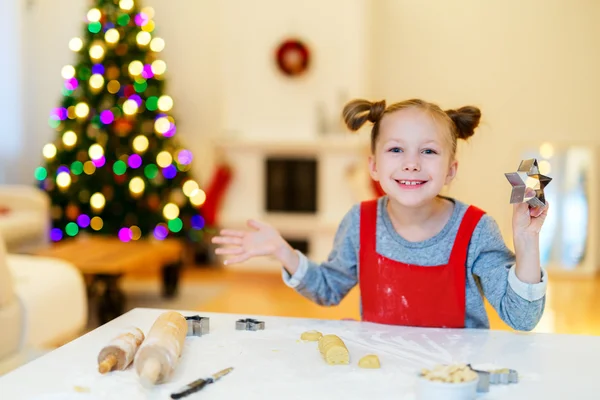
{"points": [[255, 91]]}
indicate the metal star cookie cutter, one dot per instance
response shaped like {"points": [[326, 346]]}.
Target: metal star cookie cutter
{"points": [[249, 324], [503, 376], [197, 325], [528, 176]]}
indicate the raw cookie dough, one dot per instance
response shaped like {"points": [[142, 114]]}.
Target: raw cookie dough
{"points": [[456, 373], [333, 350], [369, 361], [312, 336]]}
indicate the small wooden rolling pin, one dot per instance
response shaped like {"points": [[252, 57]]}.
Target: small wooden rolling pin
{"points": [[120, 351], [158, 356]]}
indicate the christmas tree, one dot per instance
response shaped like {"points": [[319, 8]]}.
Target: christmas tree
{"points": [[116, 167]]}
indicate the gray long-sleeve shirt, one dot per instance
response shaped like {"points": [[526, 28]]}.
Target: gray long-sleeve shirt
{"points": [[490, 267]]}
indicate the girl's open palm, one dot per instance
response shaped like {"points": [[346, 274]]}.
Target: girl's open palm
{"points": [[263, 240]]}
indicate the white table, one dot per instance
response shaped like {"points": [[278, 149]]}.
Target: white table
{"points": [[275, 364]]}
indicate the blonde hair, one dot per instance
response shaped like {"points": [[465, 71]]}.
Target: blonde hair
{"points": [[461, 123]]}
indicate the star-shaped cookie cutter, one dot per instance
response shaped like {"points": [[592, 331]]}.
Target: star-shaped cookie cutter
{"points": [[249, 324], [503, 376], [197, 325], [528, 176]]}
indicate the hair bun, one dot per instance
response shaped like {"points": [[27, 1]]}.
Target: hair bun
{"points": [[359, 111], [466, 120], [376, 111]]}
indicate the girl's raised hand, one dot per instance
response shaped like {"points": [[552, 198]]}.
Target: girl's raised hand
{"points": [[262, 240], [528, 220]]}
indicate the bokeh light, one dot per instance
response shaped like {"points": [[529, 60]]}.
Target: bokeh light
{"points": [[67, 72], [159, 67], [147, 72], [125, 234], [148, 26], [83, 221], [161, 232], [175, 225], [162, 125], [72, 229], [136, 232], [140, 143], [89, 168], [143, 38], [152, 103], [198, 197], [119, 167], [165, 103], [135, 68], [49, 151], [126, 5], [94, 15], [69, 138], [134, 161], [97, 201], [112, 36], [96, 52], [164, 159], [40, 173], [63, 180], [150, 171], [96, 223], [546, 150], [185, 157], [96, 151], [107, 117], [75, 44], [99, 162], [82, 110], [148, 11], [170, 172], [113, 86], [56, 235], [189, 187], [96, 81], [171, 211], [142, 19], [197, 222], [137, 186], [130, 107], [157, 45], [76, 167]]}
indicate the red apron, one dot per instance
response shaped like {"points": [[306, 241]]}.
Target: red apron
{"points": [[402, 294]]}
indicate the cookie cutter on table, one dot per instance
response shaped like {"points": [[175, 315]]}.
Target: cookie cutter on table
{"points": [[249, 324], [502, 376], [197, 325]]}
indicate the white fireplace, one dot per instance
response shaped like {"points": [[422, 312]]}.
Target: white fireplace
{"points": [[335, 155]]}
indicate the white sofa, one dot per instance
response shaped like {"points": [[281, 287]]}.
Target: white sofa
{"points": [[43, 304], [24, 217]]}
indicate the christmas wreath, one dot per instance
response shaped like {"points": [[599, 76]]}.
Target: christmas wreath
{"points": [[293, 57]]}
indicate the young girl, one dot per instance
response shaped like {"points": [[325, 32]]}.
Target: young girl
{"points": [[420, 259]]}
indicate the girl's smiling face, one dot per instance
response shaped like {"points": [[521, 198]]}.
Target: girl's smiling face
{"points": [[413, 157]]}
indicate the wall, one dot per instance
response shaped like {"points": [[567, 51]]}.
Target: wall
{"points": [[10, 90], [258, 102], [532, 67]]}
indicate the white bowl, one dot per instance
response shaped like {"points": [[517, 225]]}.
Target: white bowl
{"points": [[430, 390]]}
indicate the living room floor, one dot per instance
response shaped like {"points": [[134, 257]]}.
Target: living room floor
{"points": [[572, 307]]}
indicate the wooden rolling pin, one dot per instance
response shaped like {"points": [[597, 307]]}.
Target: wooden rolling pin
{"points": [[158, 356], [120, 351]]}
